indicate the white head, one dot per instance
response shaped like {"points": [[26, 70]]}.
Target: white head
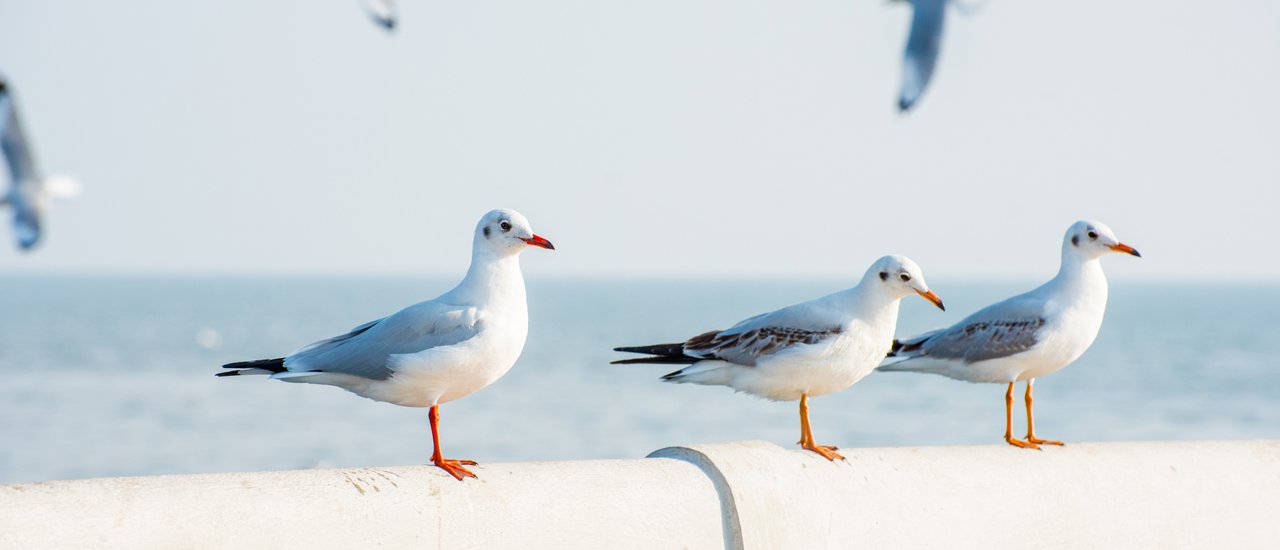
{"points": [[505, 232], [1088, 239], [900, 277]]}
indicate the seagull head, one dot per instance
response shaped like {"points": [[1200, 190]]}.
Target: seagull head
{"points": [[1090, 239], [507, 232], [901, 277]]}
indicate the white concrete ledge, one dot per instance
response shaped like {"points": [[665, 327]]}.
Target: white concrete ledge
{"points": [[732, 495]]}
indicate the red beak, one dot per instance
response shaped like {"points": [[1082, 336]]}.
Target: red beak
{"points": [[538, 241]]}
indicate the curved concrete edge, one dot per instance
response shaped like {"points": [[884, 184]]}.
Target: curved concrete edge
{"points": [[588, 504], [732, 526], [1130, 495]]}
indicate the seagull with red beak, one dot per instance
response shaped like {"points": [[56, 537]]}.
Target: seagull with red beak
{"points": [[805, 350], [435, 351], [1026, 336]]}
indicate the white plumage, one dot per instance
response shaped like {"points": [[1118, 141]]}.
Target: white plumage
{"points": [[1029, 335], [805, 350], [435, 351]]}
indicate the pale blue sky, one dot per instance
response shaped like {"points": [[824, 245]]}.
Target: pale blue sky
{"points": [[709, 138]]}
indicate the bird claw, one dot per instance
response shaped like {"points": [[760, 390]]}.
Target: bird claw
{"points": [[1022, 444], [455, 467], [1035, 440], [826, 451]]}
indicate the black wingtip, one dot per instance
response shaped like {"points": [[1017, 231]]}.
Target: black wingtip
{"points": [[658, 360], [273, 365], [228, 373], [893, 349]]}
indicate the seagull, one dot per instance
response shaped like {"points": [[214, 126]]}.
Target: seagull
{"points": [[1026, 336], [922, 49], [29, 193], [383, 12], [805, 350], [435, 351]]}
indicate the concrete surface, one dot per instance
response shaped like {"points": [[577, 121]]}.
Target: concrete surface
{"points": [[588, 504], [1113, 495], [734, 495]]}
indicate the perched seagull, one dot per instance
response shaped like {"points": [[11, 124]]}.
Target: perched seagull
{"points": [[1026, 336], [29, 193], [809, 349], [383, 12], [435, 351], [922, 49]]}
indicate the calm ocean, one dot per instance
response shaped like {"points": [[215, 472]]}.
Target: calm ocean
{"points": [[107, 376]]}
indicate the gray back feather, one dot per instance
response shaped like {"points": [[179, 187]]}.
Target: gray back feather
{"points": [[767, 334], [1000, 330], [367, 349]]}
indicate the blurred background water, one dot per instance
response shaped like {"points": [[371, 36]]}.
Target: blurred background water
{"points": [[106, 376]]}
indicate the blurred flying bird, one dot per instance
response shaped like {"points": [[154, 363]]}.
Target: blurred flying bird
{"points": [[29, 193], [922, 48], [435, 351], [1026, 336], [383, 12]]}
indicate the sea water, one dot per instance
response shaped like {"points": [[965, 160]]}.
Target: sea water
{"points": [[108, 376]]}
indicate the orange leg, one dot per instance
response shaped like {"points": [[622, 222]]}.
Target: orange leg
{"points": [[806, 434], [454, 467], [1031, 421], [1008, 422]]}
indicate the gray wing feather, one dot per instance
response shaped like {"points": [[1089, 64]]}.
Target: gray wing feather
{"points": [[746, 348], [983, 340], [367, 349], [768, 333], [1000, 330], [922, 49]]}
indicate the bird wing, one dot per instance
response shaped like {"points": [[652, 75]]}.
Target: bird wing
{"points": [[13, 141], [768, 334], [22, 175], [365, 351], [921, 53], [746, 348], [1000, 330]]}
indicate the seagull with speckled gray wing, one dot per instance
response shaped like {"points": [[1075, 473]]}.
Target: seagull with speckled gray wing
{"points": [[1026, 336], [29, 193], [805, 350]]}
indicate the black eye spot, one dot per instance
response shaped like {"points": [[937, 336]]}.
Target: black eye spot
{"points": [[486, 232], [884, 276], [1075, 240], [505, 225], [1093, 235], [904, 277]]}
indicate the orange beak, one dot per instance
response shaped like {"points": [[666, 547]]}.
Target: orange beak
{"points": [[929, 295], [538, 241], [1121, 247]]}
